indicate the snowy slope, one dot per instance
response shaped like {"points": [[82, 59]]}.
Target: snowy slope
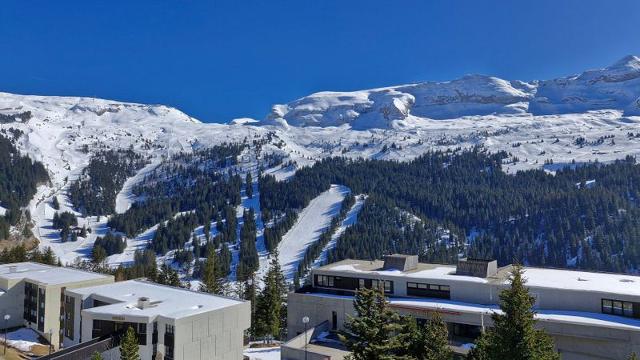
{"points": [[614, 87], [312, 221], [349, 219]]}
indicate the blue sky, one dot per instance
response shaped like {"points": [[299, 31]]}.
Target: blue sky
{"points": [[220, 60]]}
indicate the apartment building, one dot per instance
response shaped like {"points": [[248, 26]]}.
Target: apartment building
{"points": [[589, 315], [32, 295], [171, 323]]}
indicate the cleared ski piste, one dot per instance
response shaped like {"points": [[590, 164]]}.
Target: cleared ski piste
{"points": [[312, 221]]}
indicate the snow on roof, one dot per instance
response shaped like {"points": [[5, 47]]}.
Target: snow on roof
{"points": [[164, 300], [563, 279], [559, 316], [46, 274], [424, 271], [583, 281]]}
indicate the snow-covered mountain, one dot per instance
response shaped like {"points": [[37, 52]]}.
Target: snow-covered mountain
{"points": [[594, 115], [615, 87]]}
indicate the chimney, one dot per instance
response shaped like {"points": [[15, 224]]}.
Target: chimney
{"points": [[477, 267], [143, 303], [400, 262]]}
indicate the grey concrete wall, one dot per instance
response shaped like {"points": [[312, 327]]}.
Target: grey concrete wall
{"points": [[215, 335], [12, 303]]}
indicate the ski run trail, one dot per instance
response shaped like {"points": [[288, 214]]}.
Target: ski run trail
{"points": [[312, 221]]}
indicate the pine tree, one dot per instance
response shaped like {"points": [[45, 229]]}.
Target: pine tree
{"points": [[98, 254], [55, 204], [271, 311], [168, 276], [429, 342], [371, 334], [211, 281], [514, 335], [249, 185], [48, 257], [129, 346]]}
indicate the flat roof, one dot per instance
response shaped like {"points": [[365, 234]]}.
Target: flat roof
{"points": [[422, 271], [166, 301], [563, 279], [583, 281], [557, 316], [47, 274]]}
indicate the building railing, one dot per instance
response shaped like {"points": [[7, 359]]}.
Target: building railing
{"points": [[84, 350]]}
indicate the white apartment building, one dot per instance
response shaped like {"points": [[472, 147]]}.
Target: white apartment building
{"points": [[171, 323]]}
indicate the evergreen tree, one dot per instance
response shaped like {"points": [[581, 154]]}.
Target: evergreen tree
{"points": [[168, 276], [371, 334], [55, 204], [211, 281], [48, 257], [271, 311], [429, 342], [96, 356], [633, 356], [129, 346], [249, 185], [514, 335]]}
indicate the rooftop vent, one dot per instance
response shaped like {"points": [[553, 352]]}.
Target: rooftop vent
{"points": [[477, 267], [400, 262], [143, 303]]}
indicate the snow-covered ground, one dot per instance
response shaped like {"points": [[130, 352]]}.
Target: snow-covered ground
{"points": [[350, 219], [126, 197], [22, 339], [272, 353], [312, 221]]}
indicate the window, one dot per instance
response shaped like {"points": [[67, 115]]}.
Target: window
{"points": [[428, 290], [617, 307], [334, 320], [622, 308], [361, 284], [326, 281], [627, 309], [382, 284], [168, 329]]}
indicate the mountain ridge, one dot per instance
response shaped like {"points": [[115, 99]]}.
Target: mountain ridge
{"points": [[615, 87]]}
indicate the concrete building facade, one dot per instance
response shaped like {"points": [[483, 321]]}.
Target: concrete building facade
{"points": [[589, 315], [32, 295], [171, 323]]}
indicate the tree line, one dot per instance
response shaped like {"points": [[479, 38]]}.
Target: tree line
{"points": [[532, 216]]}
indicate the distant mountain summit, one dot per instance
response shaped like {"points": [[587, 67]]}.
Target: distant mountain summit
{"points": [[615, 87]]}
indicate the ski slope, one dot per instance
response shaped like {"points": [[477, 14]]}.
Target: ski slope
{"points": [[126, 197], [350, 219], [312, 221]]}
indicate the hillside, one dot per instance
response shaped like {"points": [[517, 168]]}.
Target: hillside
{"points": [[146, 164]]}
